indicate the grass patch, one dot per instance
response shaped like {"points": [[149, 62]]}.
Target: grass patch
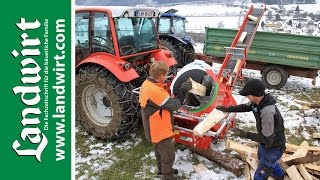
{"points": [[309, 95], [293, 108], [130, 162], [82, 147], [250, 129]]}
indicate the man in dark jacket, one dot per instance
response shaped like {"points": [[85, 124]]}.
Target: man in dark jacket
{"points": [[270, 128], [157, 116]]}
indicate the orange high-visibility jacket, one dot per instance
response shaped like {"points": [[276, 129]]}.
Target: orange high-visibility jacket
{"points": [[157, 110]]}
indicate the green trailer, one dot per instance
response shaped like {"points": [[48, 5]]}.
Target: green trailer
{"points": [[276, 55]]}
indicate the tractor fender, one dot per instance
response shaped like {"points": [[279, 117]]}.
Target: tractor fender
{"points": [[189, 40], [171, 36], [164, 55], [113, 64]]}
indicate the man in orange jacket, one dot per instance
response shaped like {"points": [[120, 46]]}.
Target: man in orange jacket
{"points": [[157, 108]]}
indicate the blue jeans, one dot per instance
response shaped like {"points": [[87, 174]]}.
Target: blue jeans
{"points": [[268, 165]]}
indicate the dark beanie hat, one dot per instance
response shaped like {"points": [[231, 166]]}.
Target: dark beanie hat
{"points": [[253, 87]]}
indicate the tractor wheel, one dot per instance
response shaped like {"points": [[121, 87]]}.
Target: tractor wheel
{"points": [[167, 45], [274, 77], [105, 106], [190, 54]]}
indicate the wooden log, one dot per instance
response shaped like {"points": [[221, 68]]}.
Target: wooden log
{"points": [[233, 165], [197, 88], [316, 135], [243, 150], [304, 172], [213, 118], [309, 158], [293, 173], [200, 168], [300, 152]]}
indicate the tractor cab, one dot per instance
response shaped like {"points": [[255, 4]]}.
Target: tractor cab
{"points": [[117, 31], [173, 37], [173, 24]]}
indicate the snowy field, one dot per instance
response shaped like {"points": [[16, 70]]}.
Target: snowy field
{"points": [[94, 157], [224, 16]]}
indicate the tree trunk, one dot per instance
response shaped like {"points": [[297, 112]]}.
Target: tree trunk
{"points": [[233, 165]]}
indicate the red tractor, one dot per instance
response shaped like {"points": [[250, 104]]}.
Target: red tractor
{"points": [[114, 47]]}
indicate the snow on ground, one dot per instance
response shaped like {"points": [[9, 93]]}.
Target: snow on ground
{"points": [[297, 122]]}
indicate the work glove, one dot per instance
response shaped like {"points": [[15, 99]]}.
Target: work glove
{"points": [[182, 92], [240, 132], [222, 108], [186, 86]]}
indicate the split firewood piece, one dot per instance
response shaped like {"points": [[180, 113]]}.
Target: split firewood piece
{"points": [[284, 166], [197, 88], [242, 37], [314, 149], [286, 178], [252, 144], [253, 18], [314, 178], [252, 162], [246, 172], [213, 118], [304, 172], [233, 165], [309, 158], [312, 168], [293, 148], [316, 135], [252, 171], [300, 152], [243, 150], [200, 168], [293, 173], [284, 155]]}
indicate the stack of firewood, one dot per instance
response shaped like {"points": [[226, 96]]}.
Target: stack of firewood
{"points": [[299, 162]]}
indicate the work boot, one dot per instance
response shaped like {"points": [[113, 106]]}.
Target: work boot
{"points": [[175, 171]]}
